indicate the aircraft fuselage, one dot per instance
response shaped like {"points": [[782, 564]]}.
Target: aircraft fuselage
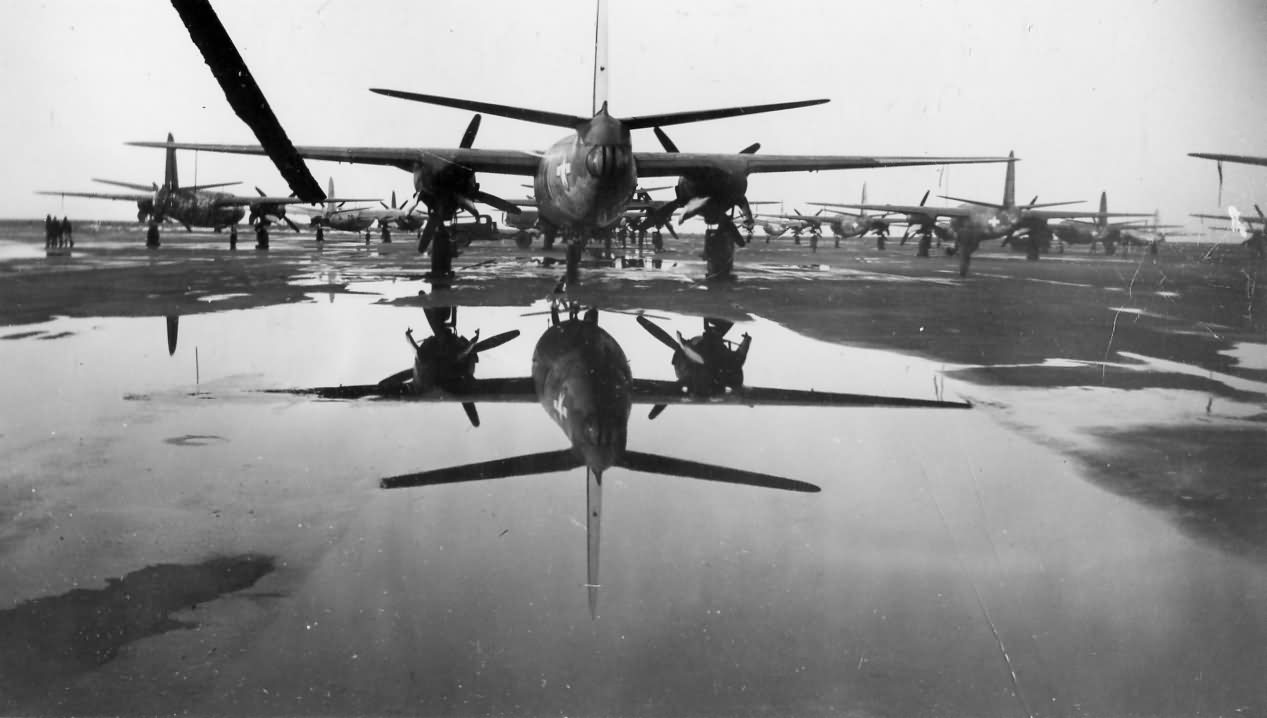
{"points": [[584, 181], [197, 209], [583, 382]]}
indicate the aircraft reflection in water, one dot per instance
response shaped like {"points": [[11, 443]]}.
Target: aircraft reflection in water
{"points": [[581, 377]]}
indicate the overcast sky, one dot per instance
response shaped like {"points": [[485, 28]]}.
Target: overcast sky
{"points": [[1092, 95]]}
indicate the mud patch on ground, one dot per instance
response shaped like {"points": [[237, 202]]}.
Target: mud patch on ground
{"points": [[49, 641]]}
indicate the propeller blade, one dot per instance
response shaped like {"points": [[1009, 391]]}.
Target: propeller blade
{"points": [[438, 318], [497, 203], [471, 413], [657, 410], [494, 341], [173, 326], [1259, 210], [690, 353], [245, 96], [654, 330], [668, 466], [672, 231], [260, 191], [925, 199], [472, 129], [665, 142], [290, 223], [750, 149], [525, 465]]}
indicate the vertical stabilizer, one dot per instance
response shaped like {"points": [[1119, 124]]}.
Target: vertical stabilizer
{"points": [[170, 180], [863, 212], [1009, 182], [1102, 222], [593, 523], [329, 196], [600, 57]]}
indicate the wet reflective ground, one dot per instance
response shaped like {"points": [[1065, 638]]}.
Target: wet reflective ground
{"points": [[1088, 540]]}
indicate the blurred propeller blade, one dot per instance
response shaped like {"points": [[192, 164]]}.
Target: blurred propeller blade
{"points": [[665, 142], [471, 413], [494, 341], [472, 129], [654, 330]]}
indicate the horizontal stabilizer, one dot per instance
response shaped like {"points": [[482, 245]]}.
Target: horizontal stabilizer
{"points": [[973, 202], [200, 187], [668, 466], [681, 118], [525, 465], [100, 195], [1236, 159], [129, 185], [540, 117]]}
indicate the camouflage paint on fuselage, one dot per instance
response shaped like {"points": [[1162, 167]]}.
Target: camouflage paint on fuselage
{"points": [[198, 209]]}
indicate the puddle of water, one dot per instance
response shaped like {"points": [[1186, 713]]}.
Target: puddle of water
{"points": [[1248, 355]]}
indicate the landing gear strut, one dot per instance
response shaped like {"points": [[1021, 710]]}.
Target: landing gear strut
{"points": [[261, 236], [233, 237], [719, 249], [573, 261], [441, 252], [151, 236]]}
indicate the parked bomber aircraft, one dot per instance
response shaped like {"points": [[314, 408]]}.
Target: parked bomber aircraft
{"points": [[360, 219], [975, 221], [196, 206], [582, 379], [582, 183], [1109, 234], [855, 224], [1252, 229]]}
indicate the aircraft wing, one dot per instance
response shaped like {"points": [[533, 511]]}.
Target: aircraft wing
{"points": [[923, 210], [667, 164], [497, 390], [103, 195], [511, 162], [1237, 159], [650, 391], [1244, 218], [1076, 214], [248, 201]]}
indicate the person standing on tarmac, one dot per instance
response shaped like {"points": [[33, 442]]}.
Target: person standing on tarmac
{"points": [[48, 231], [66, 232]]}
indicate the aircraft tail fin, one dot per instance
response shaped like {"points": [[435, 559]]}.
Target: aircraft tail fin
{"points": [[1009, 181], [330, 195], [863, 212], [1102, 221], [601, 76], [593, 526], [170, 180]]}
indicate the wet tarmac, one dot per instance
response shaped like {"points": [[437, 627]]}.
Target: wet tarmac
{"points": [[1087, 540]]}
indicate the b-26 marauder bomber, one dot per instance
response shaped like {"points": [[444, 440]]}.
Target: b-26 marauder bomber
{"points": [[582, 378], [975, 221], [582, 184], [196, 206]]}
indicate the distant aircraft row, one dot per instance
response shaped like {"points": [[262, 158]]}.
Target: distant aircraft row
{"points": [[584, 186]]}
